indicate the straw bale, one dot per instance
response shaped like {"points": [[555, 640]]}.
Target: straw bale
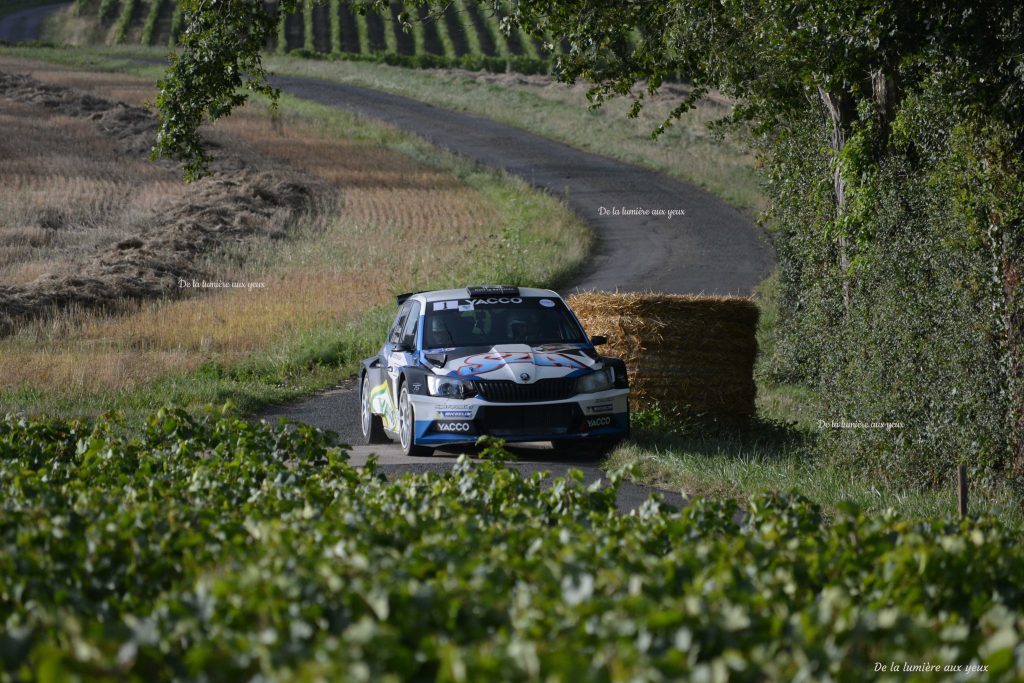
{"points": [[691, 355]]}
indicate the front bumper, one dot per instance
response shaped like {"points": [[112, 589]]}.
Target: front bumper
{"points": [[442, 421]]}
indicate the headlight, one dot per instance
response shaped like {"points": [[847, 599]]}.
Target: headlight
{"points": [[602, 380], [449, 387]]}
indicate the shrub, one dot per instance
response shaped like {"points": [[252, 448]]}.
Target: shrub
{"points": [[925, 350], [213, 548]]}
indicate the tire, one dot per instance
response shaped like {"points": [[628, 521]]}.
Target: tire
{"points": [[372, 426], [407, 427]]}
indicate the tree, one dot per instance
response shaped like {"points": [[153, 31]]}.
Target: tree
{"points": [[857, 58], [858, 69]]}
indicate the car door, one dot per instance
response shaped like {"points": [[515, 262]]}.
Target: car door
{"points": [[400, 349], [384, 400]]}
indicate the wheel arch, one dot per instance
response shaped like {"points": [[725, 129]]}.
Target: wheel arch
{"points": [[416, 377]]}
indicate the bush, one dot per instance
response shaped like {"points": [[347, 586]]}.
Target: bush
{"points": [[924, 354], [217, 549]]}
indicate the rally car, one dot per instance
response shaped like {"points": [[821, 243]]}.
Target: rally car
{"points": [[510, 362]]}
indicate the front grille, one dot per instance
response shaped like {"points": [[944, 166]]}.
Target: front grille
{"points": [[549, 420], [506, 391]]}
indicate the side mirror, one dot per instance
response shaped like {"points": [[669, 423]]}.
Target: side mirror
{"points": [[401, 347], [597, 340]]}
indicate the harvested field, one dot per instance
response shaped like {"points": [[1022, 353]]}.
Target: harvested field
{"points": [[64, 191], [692, 356], [157, 241], [337, 264]]}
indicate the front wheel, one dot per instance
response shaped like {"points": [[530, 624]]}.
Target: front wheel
{"points": [[407, 427], [372, 426]]}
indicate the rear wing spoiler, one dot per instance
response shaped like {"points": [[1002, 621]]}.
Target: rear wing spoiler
{"points": [[402, 298], [480, 291]]}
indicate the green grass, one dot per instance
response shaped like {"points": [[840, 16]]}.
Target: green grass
{"points": [[306, 362], [765, 458]]}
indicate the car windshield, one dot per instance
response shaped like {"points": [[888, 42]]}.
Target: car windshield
{"points": [[504, 320]]}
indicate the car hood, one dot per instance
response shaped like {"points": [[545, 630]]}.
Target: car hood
{"points": [[520, 363]]}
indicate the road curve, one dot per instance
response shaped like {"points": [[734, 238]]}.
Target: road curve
{"points": [[25, 25], [712, 249]]}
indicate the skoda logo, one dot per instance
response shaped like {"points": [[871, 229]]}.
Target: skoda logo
{"points": [[524, 376]]}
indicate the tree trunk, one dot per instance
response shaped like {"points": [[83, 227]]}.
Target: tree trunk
{"points": [[1013, 289], [842, 112], [884, 92]]}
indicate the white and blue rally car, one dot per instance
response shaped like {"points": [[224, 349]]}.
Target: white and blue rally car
{"points": [[506, 361]]}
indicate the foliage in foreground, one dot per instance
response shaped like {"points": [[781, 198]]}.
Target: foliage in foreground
{"points": [[213, 548]]}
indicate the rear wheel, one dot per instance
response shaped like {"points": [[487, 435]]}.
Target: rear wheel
{"points": [[407, 426], [372, 425]]}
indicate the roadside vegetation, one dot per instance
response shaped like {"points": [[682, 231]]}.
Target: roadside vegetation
{"points": [[209, 547], [891, 139], [779, 452], [394, 213], [688, 150]]}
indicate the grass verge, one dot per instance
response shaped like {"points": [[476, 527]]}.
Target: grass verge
{"points": [[776, 453]]}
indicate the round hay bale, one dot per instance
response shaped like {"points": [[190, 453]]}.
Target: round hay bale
{"points": [[690, 355]]}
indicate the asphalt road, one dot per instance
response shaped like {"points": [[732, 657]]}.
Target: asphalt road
{"points": [[712, 249], [25, 24]]}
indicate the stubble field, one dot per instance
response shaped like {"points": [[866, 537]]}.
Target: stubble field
{"points": [[379, 212]]}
